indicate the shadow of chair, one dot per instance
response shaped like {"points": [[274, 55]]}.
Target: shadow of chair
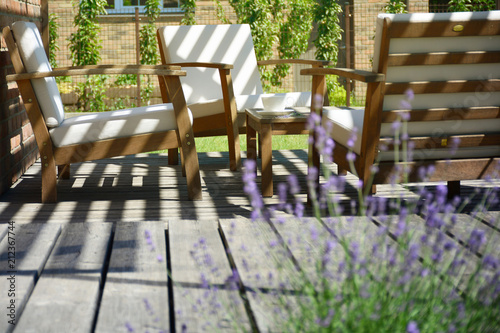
{"points": [[100, 135], [447, 69], [223, 78]]}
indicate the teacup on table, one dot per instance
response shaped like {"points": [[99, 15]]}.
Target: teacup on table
{"points": [[274, 103]]}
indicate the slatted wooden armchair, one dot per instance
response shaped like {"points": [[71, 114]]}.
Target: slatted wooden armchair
{"points": [[100, 135], [451, 63], [223, 78]]}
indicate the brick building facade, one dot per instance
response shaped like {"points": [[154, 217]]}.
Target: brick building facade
{"points": [[18, 149]]}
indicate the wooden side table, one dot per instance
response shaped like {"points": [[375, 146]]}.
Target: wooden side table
{"points": [[268, 124]]}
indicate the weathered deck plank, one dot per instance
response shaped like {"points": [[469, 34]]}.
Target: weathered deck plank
{"points": [[32, 244], [141, 193], [65, 299], [135, 293], [203, 299], [264, 268]]}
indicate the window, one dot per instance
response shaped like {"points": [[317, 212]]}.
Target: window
{"points": [[128, 6]]}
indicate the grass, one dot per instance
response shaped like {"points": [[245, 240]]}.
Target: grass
{"points": [[219, 143]]}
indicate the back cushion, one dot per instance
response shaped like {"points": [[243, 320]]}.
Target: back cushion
{"points": [[443, 72], [228, 44], [35, 59]]}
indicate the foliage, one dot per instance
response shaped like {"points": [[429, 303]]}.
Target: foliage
{"points": [[283, 27], [53, 36], [148, 46], [53, 46], [336, 91], [395, 7], [221, 13], [188, 6], [471, 5], [92, 93], [85, 44], [85, 48], [329, 31]]}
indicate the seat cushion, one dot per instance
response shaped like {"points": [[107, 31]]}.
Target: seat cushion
{"points": [[35, 60], [207, 108], [115, 124], [346, 120]]}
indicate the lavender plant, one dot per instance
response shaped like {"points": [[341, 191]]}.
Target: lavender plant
{"points": [[372, 265], [389, 265]]}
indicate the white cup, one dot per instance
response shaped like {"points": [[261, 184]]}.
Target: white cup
{"points": [[274, 103]]}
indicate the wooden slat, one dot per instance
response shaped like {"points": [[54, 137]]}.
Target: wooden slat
{"points": [[483, 112], [101, 69], [479, 140], [33, 244], [263, 269], [446, 170], [196, 249], [70, 282], [136, 292], [448, 87], [444, 58], [205, 64], [115, 147], [444, 29], [314, 63], [359, 75]]}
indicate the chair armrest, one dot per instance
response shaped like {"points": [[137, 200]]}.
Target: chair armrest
{"points": [[359, 75], [102, 69], [314, 63], [204, 64]]}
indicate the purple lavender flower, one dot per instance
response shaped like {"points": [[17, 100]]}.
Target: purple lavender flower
{"points": [[325, 322], [129, 327], [401, 225], [353, 138], [299, 209], [233, 280], [294, 184], [251, 189], [490, 262], [313, 120], [476, 240], [396, 126], [412, 327]]}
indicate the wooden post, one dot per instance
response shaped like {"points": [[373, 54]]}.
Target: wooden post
{"points": [[45, 25], [348, 52], [137, 54]]}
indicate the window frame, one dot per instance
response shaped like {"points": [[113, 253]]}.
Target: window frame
{"points": [[121, 9]]}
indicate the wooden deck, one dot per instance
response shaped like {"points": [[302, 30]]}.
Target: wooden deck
{"points": [[98, 260]]}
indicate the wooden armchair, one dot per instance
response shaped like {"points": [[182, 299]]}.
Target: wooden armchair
{"points": [[100, 135], [451, 63], [223, 78]]}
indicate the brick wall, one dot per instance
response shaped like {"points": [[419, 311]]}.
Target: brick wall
{"points": [[18, 150]]}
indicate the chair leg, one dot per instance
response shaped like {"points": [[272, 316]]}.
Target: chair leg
{"points": [[313, 161], [191, 168], [183, 163], [453, 189], [49, 181], [173, 156], [64, 171], [341, 171]]}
